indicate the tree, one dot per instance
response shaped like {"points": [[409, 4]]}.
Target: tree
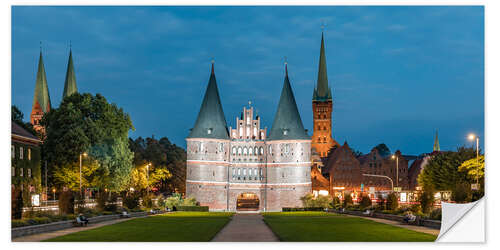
{"points": [[426, 200], [348, 200], [392, 202], [442, 171], [365, 202], [17, 116], [474, 169], [87, 123], [168, 164]]}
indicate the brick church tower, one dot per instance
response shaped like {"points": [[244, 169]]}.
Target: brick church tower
{"points": [[41, 99], [322, 104]]}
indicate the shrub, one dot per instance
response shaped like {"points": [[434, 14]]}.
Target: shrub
{"points": [[173, 201], [161, 201], [193, 208], [17, 204], [461, 193], [19, 223], [415, 208], [67, 202], [131, 201], [347, 200], [335, 201], [380, 202], [426, 200], [365, 202], [392, 202], [435, 214], [307, 200], [147, 201], [299, 209], [189, 202]]}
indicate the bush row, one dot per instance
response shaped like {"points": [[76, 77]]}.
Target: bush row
{"points": [[295, 209], [40, 220], [193, 208]]}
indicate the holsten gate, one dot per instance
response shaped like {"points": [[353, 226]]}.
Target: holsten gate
{"points": [[244, 168]]}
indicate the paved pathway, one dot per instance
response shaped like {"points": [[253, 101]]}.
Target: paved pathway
{"points": [[246, 228], [400, 224], [49, 235]]}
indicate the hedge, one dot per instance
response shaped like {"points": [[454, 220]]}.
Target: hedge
{"points": [[295, 209], [193, 208]]}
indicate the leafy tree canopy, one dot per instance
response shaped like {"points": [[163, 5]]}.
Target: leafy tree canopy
{"points": [[168, 164], [442, 171], [87, 123], [17, 116]]}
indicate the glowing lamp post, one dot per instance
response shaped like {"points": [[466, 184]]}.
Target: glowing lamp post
{"points": [[472, 137], [397, 168], [85, 155]]}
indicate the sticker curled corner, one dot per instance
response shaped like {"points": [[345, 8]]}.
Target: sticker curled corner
{"points": [[453, 213]]}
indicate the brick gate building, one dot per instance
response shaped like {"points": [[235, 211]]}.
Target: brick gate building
{"points": [[244, 168]]}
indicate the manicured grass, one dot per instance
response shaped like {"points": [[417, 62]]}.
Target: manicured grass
{"points": [[321, 226], [179, 226]]}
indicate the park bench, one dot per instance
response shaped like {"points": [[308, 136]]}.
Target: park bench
{"points": [[368, 212], [79, 222], [124, 214]]}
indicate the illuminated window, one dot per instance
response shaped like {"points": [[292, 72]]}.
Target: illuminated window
{"points": [[12, 151], [29, 172], [29, 154], [21, 172], [21, 156], [13, 169]]}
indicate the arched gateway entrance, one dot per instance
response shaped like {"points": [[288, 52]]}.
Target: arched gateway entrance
{"points": [[247, 202]]}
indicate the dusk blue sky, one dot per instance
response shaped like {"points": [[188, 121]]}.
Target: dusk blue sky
{"points": [[397, 73]]}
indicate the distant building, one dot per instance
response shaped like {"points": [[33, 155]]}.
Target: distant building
{"points": [[25, 164], [245, 168]]}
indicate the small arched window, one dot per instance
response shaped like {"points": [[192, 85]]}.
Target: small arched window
{"points": [[262, 150], [234, 150], [256, 150], [245, 151], [250, 151], [239, 150]]}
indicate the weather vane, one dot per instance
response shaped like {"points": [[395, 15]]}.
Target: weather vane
{"points": [[323, 25]]}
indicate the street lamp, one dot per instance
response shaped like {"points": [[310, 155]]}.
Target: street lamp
{"points": [[147, 178], [54, 191], [472, 137], [85, 155], [397, 168]]}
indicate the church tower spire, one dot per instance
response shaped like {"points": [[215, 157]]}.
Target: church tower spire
{"points": [[211, 122], [70, 82], [322, 104], [287, 123], [436, 143], [41, 98], [322, 91]]}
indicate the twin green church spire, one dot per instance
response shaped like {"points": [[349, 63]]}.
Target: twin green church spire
{"points": [[41, 99]]}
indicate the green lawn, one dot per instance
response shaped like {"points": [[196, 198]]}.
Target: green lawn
{"points": [[179, 226], [321, 226]]}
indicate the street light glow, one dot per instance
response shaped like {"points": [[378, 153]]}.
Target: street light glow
{"points": [[472, 136], [393, 156], [85, 154]]}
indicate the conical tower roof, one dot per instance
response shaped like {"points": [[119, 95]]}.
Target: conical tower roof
{"points": [[322, 92], [211, 122], [70, 82], [41, 97], [436, 143], [287, 123]]}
